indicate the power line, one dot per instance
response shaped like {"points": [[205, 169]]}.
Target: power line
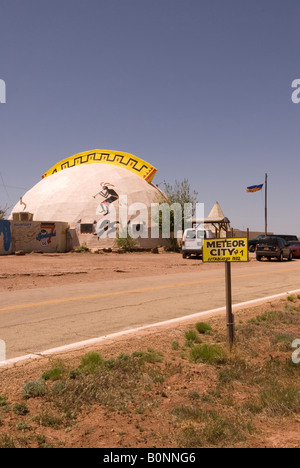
{"points": [[13, 187], [7, 194]]}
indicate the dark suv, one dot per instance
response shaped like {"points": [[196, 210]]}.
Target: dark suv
{"points": [[273, 247], [286, 237], [252, 243]]}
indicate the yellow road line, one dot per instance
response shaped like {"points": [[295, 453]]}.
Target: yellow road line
{"points": [[133, 291]]}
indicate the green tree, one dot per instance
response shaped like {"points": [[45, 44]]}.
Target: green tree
{"points": [[3, 212], [181, 193], [125, 242], [178, 196]]}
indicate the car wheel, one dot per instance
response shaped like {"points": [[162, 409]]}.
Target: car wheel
{"points": [[184, 255], [258, 258], [280, 258], [290, 257], [251, 248]]}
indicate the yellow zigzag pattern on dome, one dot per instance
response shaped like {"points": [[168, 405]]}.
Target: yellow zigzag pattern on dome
{"points": [[125, 160]]}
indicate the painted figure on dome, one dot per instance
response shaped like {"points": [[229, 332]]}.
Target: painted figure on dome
{"points": [[109, 195]]}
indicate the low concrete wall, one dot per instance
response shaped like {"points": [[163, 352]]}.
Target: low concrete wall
{"points": [[91, 241], [32, 236], [252, 234]]}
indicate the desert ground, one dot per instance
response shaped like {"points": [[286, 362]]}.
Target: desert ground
{"points": [[152, 389]]}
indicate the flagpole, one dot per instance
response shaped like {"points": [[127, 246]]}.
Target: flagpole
{"points": [[266, 204]]}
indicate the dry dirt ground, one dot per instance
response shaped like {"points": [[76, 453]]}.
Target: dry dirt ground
{"points": [[44, 270], [147, 391]]}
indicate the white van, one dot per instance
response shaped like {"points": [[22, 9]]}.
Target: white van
{"points": [[192, 241]]}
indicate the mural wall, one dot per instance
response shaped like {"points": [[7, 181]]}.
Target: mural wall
{"points": [[32, 236], [5, 237]]}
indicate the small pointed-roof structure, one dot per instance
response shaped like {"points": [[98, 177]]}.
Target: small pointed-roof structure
{"points": [[217, 221], [216, 212]]}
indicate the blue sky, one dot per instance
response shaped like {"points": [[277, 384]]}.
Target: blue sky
{"points": [[199, 88]]}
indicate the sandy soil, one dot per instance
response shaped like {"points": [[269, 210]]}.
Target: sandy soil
{"points": [[155, 426], [44, 270]]}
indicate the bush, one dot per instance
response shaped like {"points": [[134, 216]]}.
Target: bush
{"points": [[150, 356], [55, 373], [175, 345], [210, 354], [48, 420], [34, 389], [6, 441], [126, 242], [20, 409], [203, 328], [190, 335], [284, 341], [191, 338], [90, 362], [279, 400], [82, 249], [4, 403], [268, 317]]}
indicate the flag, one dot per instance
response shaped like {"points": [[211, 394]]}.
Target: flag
{"points": [[255, 188]]}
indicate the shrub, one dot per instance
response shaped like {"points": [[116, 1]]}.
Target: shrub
{"points": [[211, 354], [151, 356], [90, 362], [203, 328], [175, 345], [184, 412], [191, 338], [82, 249], [219, 429], [284, 341], [280, 400], [268, 317], [48, 420], [6, 441], [20, 409], [55, 373], [34, 389], [126, 242], [4, 403]]}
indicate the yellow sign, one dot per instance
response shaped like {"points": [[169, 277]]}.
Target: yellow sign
{"points": [[136, 165], [225, 250]]}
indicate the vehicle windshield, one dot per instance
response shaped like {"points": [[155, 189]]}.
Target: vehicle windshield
{"points": [[296, 244], [191, 235], [195, 234], [269, 241]]}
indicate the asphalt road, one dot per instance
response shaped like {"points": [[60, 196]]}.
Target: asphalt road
{"points": [[35, 320]]}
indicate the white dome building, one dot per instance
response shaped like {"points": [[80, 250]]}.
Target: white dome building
{"points": [[98, 193]]}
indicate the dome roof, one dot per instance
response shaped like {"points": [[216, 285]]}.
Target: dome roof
{"points": [[86, 189]]}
